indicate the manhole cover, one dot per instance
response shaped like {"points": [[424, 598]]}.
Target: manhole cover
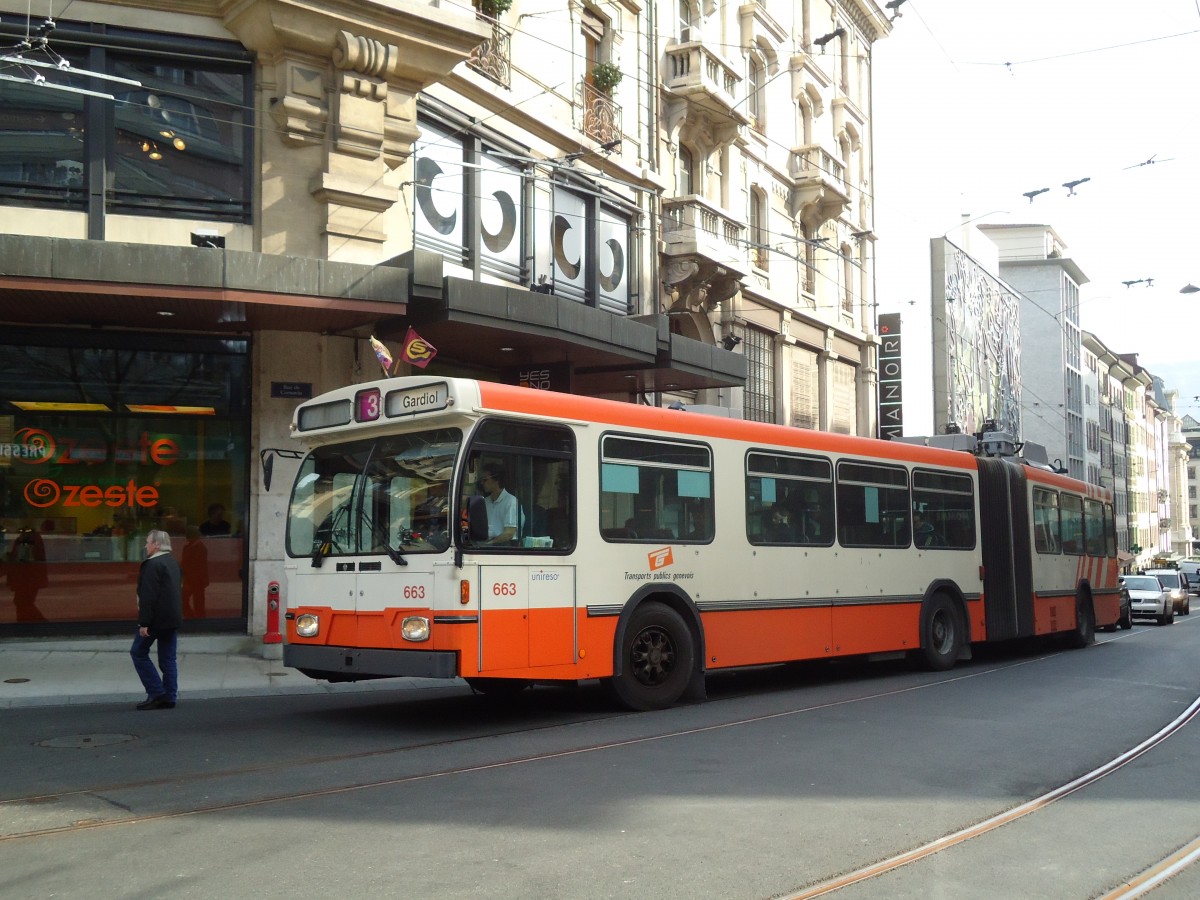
{"points": [[15, 680], [86, 741]]}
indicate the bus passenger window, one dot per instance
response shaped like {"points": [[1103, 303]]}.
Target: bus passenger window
{"points": [[1093, 527], [1071, 520], [655, 490], [1045, 521], [873, 505], [943, 510], [789, 499]]}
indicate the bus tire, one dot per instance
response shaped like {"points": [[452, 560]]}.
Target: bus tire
{"points": [[1084, 632], [657, 656], [498, 687], [942, 633]]}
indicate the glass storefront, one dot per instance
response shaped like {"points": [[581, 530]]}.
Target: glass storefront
{"points": [[102, 441]]}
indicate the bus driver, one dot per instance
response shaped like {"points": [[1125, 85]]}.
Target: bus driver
{"points": [[503, 513]]}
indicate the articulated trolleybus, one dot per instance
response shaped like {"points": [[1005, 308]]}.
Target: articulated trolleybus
{"points": [[444, 527]]}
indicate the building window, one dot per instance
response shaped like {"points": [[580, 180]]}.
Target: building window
{"points": [[685, 173], [758, 398], [759, 238], [178, 146], [687, 22], [756, 99]]}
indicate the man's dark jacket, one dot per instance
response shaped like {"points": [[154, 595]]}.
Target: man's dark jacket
{"points": [[160, 604]]}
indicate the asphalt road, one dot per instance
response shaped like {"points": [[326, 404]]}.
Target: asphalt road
{"points": [[784, 779]]}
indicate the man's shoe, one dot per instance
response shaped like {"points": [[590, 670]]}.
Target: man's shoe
{"points": [[159, 702]]}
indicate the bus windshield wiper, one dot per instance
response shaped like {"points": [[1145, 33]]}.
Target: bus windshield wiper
{"points": [[323, 550], [395, 554]]}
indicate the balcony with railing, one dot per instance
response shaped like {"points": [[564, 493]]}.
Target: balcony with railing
{"points": [[600, 114], [697, 74], [820, 191], [491, 58], [691, 226]]}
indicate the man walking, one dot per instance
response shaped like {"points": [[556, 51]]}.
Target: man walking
{"points": [[160, 613]]}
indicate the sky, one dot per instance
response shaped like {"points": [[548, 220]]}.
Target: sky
{"points": [[976, 103]]}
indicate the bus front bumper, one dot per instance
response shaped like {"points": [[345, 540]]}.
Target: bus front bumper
{"points": [[360, 664]]}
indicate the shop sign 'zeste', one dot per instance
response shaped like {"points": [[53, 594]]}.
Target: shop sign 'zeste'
{"points": [[37, 447]]}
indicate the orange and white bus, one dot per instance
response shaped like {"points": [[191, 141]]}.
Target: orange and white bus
{"points": [[444, 527]]}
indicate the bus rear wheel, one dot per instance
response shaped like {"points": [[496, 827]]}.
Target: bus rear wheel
{"points": [[657, 657], [942, 633], [1085, 623]]}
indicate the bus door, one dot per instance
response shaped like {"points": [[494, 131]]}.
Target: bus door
{"points": [[527, 616]]}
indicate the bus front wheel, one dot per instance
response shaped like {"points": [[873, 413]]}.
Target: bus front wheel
{"points": [[657, 658], [942, 633]]}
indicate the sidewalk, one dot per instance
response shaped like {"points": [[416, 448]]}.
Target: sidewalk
{"points": [[61, 672]]}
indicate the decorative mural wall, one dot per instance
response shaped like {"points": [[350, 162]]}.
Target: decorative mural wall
{"points": [[977, 345]]}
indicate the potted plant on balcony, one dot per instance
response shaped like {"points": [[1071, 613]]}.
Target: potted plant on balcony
{"points": [[606, 76], [495, 8]]}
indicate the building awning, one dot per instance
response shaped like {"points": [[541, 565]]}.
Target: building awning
{"points": [[94, 284], [507, 328], [63, 283]]}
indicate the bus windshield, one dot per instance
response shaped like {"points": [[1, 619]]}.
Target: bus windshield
{"points": [[374, 496]]}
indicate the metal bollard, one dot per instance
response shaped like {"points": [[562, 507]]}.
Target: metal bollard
{"points": [[273, 636]]}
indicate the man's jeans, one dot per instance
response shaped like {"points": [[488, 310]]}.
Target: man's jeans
{"points": [[168, 685]]}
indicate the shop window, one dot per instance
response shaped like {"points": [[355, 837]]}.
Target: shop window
{"points": [[99, 444]]}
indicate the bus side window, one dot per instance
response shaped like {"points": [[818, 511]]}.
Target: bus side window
{"points": [[655, 490], [536, 466]]}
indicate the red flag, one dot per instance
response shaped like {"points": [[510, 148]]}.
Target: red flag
{"points": [[416, 350]]}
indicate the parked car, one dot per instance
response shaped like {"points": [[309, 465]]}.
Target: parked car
{"points": [[1175, 582], [1125, 619], [1149, 599], [1191, 568]]}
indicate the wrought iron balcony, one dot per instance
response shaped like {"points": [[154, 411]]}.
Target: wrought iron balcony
{"points": [[491, 58], [601, 114]]}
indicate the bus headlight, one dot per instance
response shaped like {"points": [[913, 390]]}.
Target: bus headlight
{"points": [[307, 625], [415, 628]]}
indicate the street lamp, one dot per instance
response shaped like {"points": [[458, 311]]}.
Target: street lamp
{"points": [[1189, 288]]}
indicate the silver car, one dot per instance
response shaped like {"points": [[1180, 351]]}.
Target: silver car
{"points": [[1176, 584], [1148, 598]]}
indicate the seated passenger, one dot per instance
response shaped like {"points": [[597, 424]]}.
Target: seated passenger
{"points": [[779, 528]]}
